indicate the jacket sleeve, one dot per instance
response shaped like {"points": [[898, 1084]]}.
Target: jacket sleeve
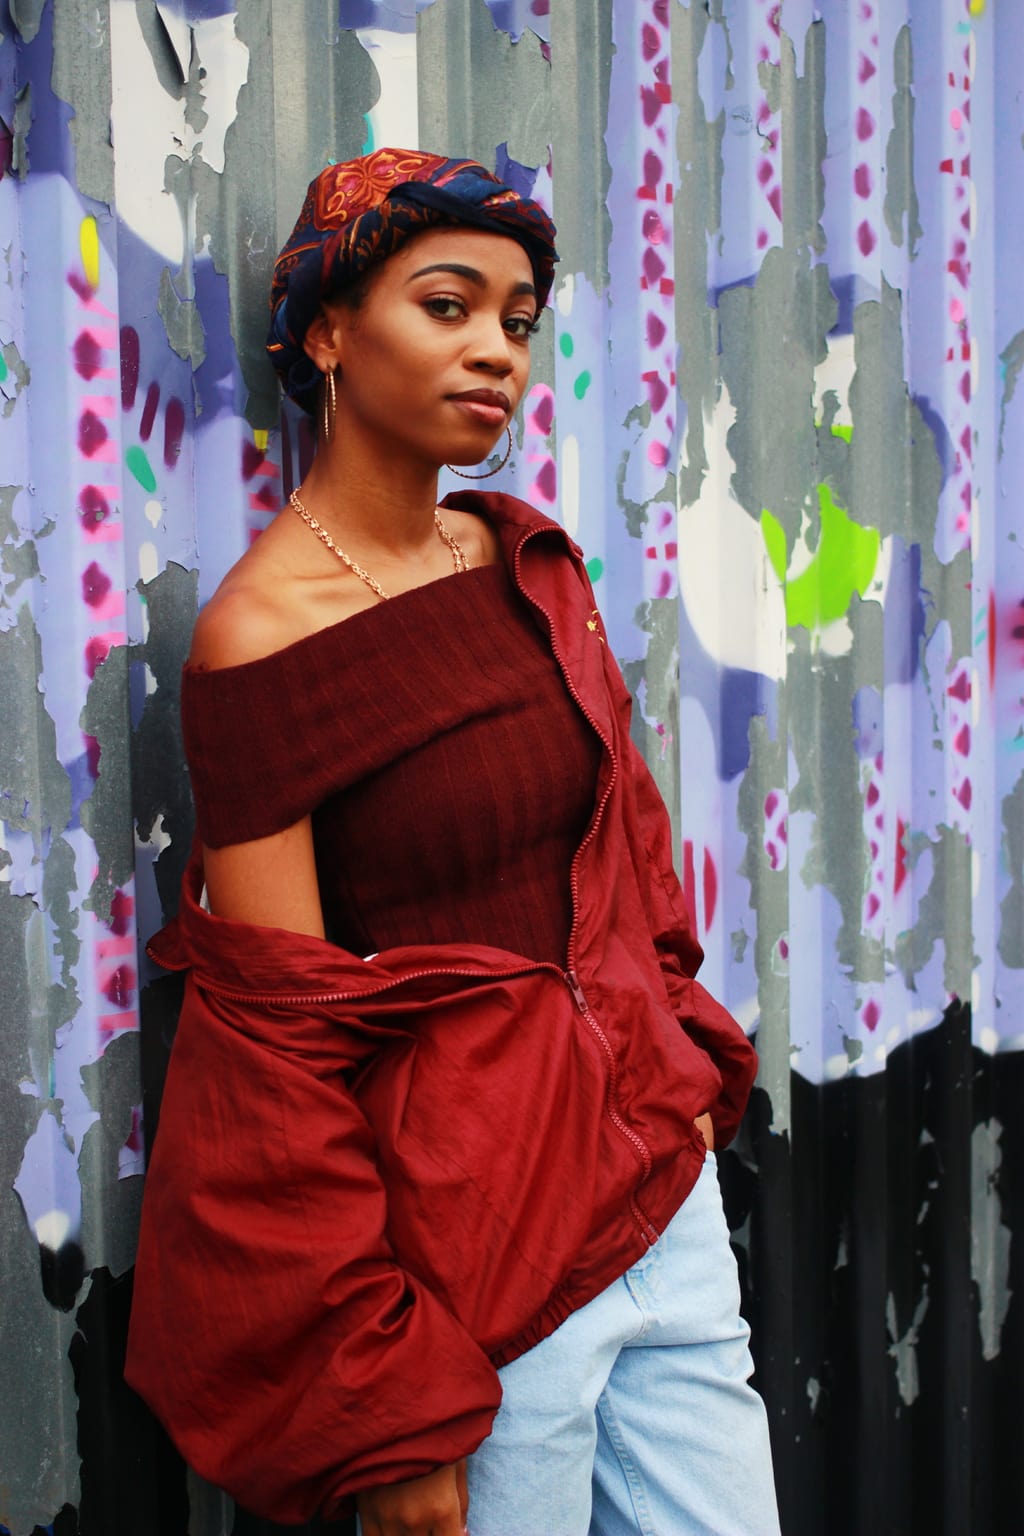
{"points": [[290, 1358]]}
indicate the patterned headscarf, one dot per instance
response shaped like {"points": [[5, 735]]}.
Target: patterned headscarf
{"points": [[361, 211]]}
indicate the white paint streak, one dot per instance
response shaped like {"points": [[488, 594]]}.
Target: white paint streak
{"points": [[732, 596], [395, 118]]}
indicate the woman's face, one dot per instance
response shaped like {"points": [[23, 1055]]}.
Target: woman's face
{"points": [[436, 358]]}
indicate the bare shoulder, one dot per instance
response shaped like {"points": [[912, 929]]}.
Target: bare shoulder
{"points": [[248, 617]]}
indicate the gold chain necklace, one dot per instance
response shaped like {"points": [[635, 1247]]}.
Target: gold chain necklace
{"points": [[458, 553]]}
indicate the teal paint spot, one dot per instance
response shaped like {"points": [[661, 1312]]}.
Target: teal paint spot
{"points": [[140, 467], [3, 368], [582, 384], [368, 145], [565, 342], [595, 568]]}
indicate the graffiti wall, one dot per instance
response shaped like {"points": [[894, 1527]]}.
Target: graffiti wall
{"points": [[776, 400]]}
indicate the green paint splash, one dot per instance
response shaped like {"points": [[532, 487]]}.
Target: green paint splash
{"points": [[140, 467], [595, 568], [566, 345], [582, 384], [3, 368], [843, 563]]}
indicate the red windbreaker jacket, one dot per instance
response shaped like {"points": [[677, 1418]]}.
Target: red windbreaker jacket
{"points": [[377, 1180]]}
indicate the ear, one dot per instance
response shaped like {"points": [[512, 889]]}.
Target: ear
{"points": [[320, 342]]}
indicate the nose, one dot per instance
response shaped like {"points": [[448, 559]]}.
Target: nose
{"points": [[489, 348]]}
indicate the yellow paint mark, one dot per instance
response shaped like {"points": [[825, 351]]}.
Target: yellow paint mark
{"points": [[977, 7], [261, 438], [89, 244]]}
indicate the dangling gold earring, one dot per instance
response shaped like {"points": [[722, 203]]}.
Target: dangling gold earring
{"points": [[330, 405], [487, 472]]}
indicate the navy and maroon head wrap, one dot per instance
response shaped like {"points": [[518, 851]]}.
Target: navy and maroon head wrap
{"points": [[361, 211]]}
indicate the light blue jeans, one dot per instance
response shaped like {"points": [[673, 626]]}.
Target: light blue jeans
{"points": [[636, 1415]]}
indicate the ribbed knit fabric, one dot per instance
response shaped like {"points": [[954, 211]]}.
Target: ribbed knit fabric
{"points": [[449, 773]]}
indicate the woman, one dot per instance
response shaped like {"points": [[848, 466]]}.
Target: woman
{"points": [[436, 1130]]}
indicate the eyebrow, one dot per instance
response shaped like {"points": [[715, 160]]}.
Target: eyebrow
{"points": [[471, 274]]}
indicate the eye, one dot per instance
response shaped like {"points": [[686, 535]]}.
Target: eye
{"points": [[522, 327], [445, 306]]}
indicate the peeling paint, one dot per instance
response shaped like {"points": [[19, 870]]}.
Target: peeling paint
{"points": [[903, 1347], [990, 1237], [1011, 908], [1012, 360], [478, 89], [900, 206], [14, 377], [82, 77], [20, 128]]}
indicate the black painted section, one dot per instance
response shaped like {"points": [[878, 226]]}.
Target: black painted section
{"points": [[868, 1198]]}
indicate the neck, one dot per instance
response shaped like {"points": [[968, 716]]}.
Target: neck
{"points": [[386, 504]]}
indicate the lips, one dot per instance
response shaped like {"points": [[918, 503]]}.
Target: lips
{"points": [[488, 405]]}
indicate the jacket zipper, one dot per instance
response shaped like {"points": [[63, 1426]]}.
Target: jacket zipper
{"points": [[641, 1148], [298, 999]]}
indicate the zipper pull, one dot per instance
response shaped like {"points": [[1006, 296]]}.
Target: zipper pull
{"points": [[576, 990]]}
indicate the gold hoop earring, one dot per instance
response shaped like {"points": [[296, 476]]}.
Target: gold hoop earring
{"points": [[330, 405], [487, 472]]}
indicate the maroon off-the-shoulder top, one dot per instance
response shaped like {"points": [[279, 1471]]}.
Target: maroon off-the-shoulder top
{"points": [[448, 771]]}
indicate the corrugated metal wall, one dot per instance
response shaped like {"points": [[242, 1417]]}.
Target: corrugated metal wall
{"points": [[777, 403]]}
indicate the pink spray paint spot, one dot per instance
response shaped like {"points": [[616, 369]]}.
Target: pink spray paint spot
{"points": [[96, 652], [871, 906], [92, 434], [122, 908], [864, 124], [654, 229], [252, 460], [543, 413], [657, 389], [871, 798], [546, 485], [962, 740], [771, 800], [653, 266], [862, 180], [657, 454], [960, 687], [95, 585], [866, 238], [865, 69], [93, 507], [655, 330], [650, 42], [88, 355], [900, 872], [964, 794], [871, 1013], [80, 287], [120, 988]]}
